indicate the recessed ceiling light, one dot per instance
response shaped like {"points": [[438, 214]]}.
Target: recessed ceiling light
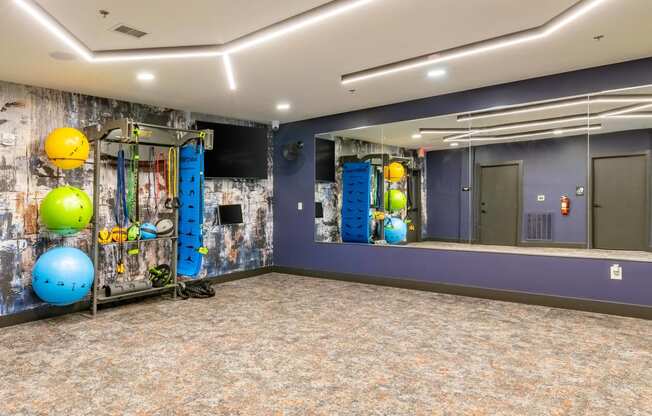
{"points": [[283, 106], [436, 73], [454, 144], [145, 76], [416, 136]]}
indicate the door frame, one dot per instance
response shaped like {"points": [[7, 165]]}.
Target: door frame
{"points": [[648, 184], [418, 206], [477, 195]]}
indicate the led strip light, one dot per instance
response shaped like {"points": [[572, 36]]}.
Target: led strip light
{"points": [[556, 120], [553, 25], [289, 25], [549, 132]]}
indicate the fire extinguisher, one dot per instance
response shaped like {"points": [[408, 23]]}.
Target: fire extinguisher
{"points": [[565, 205]]}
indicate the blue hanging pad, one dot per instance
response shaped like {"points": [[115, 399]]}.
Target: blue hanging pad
{"points": [[356, 199], [191, 211]]}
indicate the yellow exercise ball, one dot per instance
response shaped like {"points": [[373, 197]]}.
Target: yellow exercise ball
{"points": [[394, 172], [67, 148]]}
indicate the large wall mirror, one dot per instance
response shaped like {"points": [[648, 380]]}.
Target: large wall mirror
{"points": [[567, 177]]}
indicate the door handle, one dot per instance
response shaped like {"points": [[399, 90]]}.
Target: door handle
{"points": [[483, 211]]}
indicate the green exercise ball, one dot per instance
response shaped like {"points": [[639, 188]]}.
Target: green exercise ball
{"points": [[395, 200], [66, 210]]}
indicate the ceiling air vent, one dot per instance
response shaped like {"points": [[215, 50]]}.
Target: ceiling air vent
{"points": [[130, 31]]}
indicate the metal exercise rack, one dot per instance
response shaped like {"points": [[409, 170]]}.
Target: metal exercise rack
{"points": [[127, 131]]}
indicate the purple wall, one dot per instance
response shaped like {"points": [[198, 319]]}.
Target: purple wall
{"points": [[294, 244]]}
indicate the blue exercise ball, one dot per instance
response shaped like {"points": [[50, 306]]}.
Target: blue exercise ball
{"points": [[62, 276], [395, 230], [148, 231]]}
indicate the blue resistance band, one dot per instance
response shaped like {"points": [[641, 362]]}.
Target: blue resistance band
{"points": [[121, 208]]}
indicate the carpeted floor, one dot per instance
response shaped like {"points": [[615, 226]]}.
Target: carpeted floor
{"points": [[288, 345]]}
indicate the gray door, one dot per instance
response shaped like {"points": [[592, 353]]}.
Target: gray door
{"points": [[620, 203], [499, 204]]}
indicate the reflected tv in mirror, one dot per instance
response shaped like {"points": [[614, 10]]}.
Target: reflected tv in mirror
{"points": [[325, 160]]}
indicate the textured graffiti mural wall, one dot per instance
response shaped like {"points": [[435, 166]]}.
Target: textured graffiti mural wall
{"points": [[28, 115]]}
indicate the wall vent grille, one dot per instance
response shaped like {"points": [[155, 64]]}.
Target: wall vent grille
{"points": [[539, 226], [129, 31]]}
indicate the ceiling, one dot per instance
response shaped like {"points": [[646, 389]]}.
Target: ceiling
{"points": [[400, 134], [304, 67]]}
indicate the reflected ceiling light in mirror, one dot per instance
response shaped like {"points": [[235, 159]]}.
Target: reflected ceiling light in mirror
{"points": [[436, 73], [563, 19], [441, 131], [624, 110], [417, 136], [523, 125], [454, 144], [634, 115], [528, 134], [606, 99]]}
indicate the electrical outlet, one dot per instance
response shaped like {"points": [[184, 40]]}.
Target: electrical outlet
{"points": [[616, 272], [541, 198], [300, 206]]}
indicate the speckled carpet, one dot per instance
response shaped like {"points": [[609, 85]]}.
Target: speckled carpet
{"points": [[288, 345]]}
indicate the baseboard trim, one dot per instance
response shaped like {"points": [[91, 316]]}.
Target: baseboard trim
{"points": [[579, 304], [49, 311], [231, 277], [42, 312], [550, 244]]}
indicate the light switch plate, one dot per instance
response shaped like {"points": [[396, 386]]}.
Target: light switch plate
{"points": [[616, 272], [541, 198], [300, 206]]}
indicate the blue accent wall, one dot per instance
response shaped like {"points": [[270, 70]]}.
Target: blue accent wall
{"points": [[294, 244]]}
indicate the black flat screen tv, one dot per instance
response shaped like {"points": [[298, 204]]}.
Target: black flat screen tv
{"points": [[238, 152], [230, 214], [325, 160]]}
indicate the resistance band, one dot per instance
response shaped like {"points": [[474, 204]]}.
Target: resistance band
{"points": [[132, 185], [172, 201], [121, 211]]}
